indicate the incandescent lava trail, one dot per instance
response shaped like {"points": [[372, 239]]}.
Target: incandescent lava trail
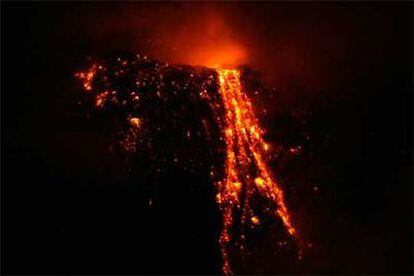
{"points": [[246, 171]]}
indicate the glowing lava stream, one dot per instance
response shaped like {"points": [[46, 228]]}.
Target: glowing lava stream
{"points": [[246, 171]]}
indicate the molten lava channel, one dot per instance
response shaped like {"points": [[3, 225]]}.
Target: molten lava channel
{"points": [[246, 171]]}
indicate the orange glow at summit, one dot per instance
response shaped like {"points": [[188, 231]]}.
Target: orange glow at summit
{"points": [[206, 41], [219, 56]]}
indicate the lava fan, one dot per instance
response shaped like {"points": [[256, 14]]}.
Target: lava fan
{"points": [[137, 87]]}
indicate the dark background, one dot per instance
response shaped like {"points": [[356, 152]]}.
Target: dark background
{"points": [[71, 205]]}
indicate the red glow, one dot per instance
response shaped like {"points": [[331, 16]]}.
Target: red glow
{"points": [[226, 54], [207, 40]]}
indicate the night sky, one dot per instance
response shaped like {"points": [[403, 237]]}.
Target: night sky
{"points": [[73, 204]]}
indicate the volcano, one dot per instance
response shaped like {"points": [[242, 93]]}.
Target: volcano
{"points": [[138, 88]]}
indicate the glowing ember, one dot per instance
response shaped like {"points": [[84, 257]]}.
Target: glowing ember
{"points": [[136, 122], [132, 84], [87, 77]]}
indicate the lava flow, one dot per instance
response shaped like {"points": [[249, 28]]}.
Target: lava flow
{"points": [[246, 171], [246, 178]]}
